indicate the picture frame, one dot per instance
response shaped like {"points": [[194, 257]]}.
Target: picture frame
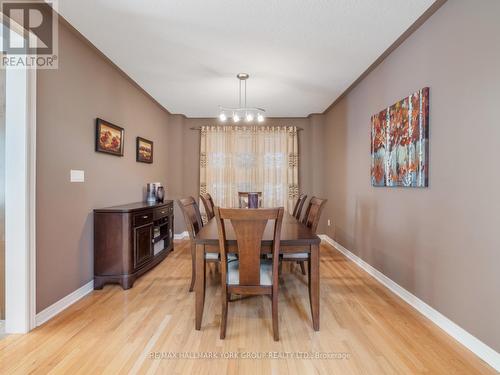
{"points": [[109, 138], [144, 150]]}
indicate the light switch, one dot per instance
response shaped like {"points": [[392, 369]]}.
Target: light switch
{"points": [[77, 175]]}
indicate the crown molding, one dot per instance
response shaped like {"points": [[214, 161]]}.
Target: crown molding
{"points": [[414, 27], [64, 23]]}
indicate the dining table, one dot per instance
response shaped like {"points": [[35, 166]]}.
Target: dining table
{"points": [[296, 237]]}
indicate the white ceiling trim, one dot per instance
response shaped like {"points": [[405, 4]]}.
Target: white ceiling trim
{"points": [[300, 54]]}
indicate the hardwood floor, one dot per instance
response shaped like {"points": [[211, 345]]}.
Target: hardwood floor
{"points": [[117, 332]]}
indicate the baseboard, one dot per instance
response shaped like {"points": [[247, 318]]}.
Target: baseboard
{"points": [[483, 351], [181, 236], [54, 309]]}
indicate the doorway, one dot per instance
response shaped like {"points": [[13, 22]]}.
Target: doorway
{"points": [[2, 198], [18, 153]]}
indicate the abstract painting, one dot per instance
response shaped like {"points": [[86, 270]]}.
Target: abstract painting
{"points": [[400, 143]]}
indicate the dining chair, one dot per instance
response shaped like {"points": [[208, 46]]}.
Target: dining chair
{"points": [[297, 210], [249, 274], [192, 217], [311, 220], [243, 198], [208, 202]]}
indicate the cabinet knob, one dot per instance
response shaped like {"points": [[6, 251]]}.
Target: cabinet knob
{"points": [[145, 217], [163, 212]]}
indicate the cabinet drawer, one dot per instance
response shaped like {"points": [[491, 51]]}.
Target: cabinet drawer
{"points": [[163, 211], [143, 218]]}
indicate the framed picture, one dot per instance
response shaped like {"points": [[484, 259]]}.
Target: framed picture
{"points": [[144, 150], [400, 143], [108, 138]]}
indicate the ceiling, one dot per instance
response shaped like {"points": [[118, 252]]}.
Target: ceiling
{"points": [[300, 54]]}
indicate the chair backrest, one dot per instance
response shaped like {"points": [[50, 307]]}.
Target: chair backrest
{"points": [[208, 202], [243, 195], [192, 215], [297, 210], [249, 226], [313, 213]]}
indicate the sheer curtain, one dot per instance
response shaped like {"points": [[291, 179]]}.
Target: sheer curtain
{"points": [[250, 158]]}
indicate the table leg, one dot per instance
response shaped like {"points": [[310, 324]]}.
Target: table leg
{"points": [[200, 284], [313, 276]]}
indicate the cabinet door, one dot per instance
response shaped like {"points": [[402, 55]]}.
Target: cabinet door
{"points": [[143, 250]]}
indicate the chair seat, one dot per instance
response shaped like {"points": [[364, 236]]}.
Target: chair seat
{"points": [[266, 272], [215, 256], [296, 255]]}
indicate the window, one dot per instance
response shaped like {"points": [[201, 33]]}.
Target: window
{"points": [[250, 158]]}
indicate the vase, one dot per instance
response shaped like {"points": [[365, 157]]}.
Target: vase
{"points": [[160, 194]]}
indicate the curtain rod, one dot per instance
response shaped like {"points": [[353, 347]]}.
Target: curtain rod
{"points": [[263, 126]]}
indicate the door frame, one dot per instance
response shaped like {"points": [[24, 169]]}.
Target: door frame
{"points": [[20, 197]]}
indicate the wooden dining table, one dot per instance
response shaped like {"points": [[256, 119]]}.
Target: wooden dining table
{"points": [[295, 238]]}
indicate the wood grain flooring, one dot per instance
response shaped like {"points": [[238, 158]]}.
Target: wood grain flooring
{"points": [[149, 329]]}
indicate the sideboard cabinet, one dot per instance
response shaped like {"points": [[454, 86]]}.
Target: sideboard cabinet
{"points": [[129, 240]]}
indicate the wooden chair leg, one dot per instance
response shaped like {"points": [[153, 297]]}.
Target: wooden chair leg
{"points": [[223, 323], [276, 334], [302, 267], [193, 266]]}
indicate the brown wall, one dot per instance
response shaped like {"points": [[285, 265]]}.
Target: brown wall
{"points": [[69, 99], [87, 86], [440, 243], [186, 152]]}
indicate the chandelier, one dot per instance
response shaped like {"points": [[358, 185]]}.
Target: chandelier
{"points": [[249, 114]]}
